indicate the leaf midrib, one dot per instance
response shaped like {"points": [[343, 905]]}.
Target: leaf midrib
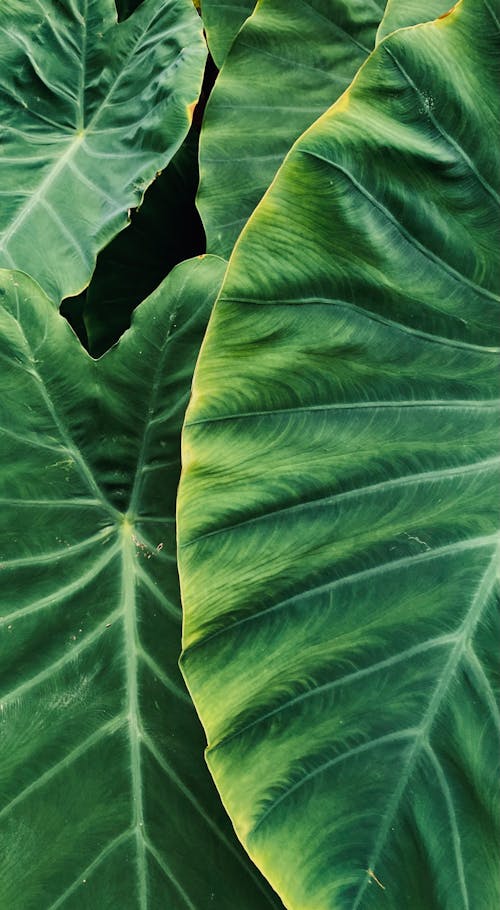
{"points": [[129, 607], [402, 230], [74, 143], [446, 136]]}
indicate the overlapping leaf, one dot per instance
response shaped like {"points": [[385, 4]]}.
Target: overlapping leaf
{"points": [[290, 62], [222, 21], [339, 507], [104, 798], [404, 13], [90, 110], [164, 231]]}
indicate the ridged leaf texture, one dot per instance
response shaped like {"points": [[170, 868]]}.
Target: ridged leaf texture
{"points": [[105, 801], [90, 110], [338, 511], [290, 61]]}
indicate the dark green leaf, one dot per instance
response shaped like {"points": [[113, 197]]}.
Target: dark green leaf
{"points": [[90, 110], [222, 22], [105, 801], [339, 509], [290, 62]]}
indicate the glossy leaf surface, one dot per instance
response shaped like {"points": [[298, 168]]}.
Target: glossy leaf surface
{"points": [[105, 801], [222, 21], [339, 506], [90, 110], [291, 60]]}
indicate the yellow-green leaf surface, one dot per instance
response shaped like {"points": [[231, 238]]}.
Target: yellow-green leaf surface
{"points": [[105, 801], [90, 110], [222, 20], [338, 513], [291, 60]]}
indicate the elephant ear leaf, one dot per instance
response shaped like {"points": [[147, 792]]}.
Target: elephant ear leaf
{"points": [[90, 110], [338, 511], [105, 800], [222, 22], [302, 57]]}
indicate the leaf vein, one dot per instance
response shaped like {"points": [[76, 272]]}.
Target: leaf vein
{"points": [[394, 565], [108, 728], [360, 492], [412, 240]]}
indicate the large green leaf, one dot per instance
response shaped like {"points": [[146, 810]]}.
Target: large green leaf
{"points": [[291, 60], [90, 110], [222, 20], [339, 508], [105, 801]]}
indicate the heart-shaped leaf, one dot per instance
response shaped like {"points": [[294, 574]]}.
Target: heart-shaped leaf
{"points": [[339, 508], [90, 110], [291, 60], [105, 801]]}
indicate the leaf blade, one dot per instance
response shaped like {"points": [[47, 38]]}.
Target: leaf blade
{"points": [[101, 750], [78, 148], [343, 668]]}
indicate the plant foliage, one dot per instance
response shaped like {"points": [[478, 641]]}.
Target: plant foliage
{"points": [[90, 111], [101, 749], [339, 584], [337, 517]]}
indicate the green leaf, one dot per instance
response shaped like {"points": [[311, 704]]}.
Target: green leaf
{"points": [[105, 799], [404, 13], [290, 62], [165, 230], [222, 21], [90, 110], [338, 514]]}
